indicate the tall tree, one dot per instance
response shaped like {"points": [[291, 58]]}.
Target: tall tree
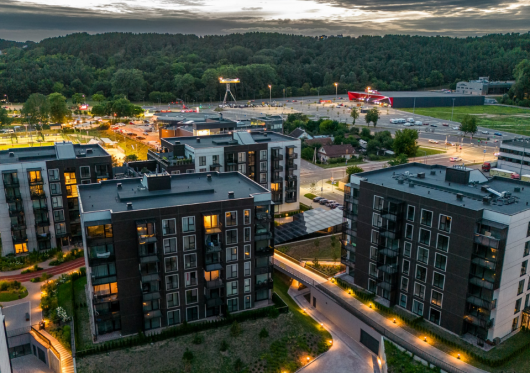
{"points": [[405, 142], [4, 117], [354, 114], [36, 108], [129, 83], [469, 124], [372, 116], [58, 109]]}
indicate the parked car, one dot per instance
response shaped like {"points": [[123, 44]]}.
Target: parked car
{"points": [[498, 134], [434, 125], [317, 199], [410, 120], [330, 202], [433, 141], [140, 138], [323, 201], [485, 132], [445, 124], [456, 128], [455, 159]]}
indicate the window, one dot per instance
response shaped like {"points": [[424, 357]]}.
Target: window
{"points": [[440, 261], [377, 220], [246, 217], [417, 308], [169, 226], [192, 296], [242, 168], [241, 157], [231, 271], [231, 254], [190, 278], [21, 248], [438, 280], [445, 223], [403, 300], [170, 245], [263, 155], [215, 159], [263, 166], [528, 230], [152, 323], [375, 237], [518, 305], [231, 305], [421, 273], [409, 231], [211, 221], [190, 261], [515, 322], [526, 248], [247, 251], [246, 232], [231, 288], [373, 253], [188, 243], [407, 248], [202, 161], [172, 282], [406, 267], [171, 264], [231, 218], [71, 191], [520, 288], [248, 302], [247, 285], [435, 316], [404, 284], [373, 269], [57, 202], [410, 212], [84, 171], [372, 286], [436, 298], [426, 218], [419, 290], [262, 178], [172, 300], [523, 267], [173, 317], [425, 237], [58, 215], [442, 243], [378, 203], [231, 236], [188, 224], [69, 178], [192, 313], [55, 188], [60, 228], [246, 268], [53, 174], [423, 255]]}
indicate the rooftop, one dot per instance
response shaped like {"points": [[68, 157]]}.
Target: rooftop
{"points": [[236, 138], [504, 195], [518, 143], [418, 94], [61, 150], [172, 190]]}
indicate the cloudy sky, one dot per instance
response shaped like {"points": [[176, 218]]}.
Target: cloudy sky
{"points": [[23, 20]]}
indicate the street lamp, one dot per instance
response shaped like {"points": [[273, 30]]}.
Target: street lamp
{"points": [[336, 88], [452, 111], [270, 95]]}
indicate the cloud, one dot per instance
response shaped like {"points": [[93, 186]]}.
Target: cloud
{"points": [[252, 8]]}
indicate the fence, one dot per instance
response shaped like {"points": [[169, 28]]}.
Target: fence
{"points": [[388, 334]]}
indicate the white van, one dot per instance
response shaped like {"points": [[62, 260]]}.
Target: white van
{"points": [[410, 120]]}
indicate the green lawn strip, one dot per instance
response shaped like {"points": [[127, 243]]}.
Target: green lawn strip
{"points": [[422, 151], [309, 195], [324, 249], [399, 361], [83, 335], [8, 296], [342, 164]]}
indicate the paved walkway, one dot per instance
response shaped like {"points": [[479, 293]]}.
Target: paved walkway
{"points": [[295, 269], [55, 270], [67, 362], [345, 356]]}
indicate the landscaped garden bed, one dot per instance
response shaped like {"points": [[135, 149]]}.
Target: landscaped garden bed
{"points": [[61, 258], [12, 290], [10, 262]]}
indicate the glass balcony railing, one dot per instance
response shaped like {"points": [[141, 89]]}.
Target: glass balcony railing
{"points": [[488, 241]]}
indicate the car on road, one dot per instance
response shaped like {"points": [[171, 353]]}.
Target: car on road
{"points": [[323, 201], [455, 128], [140, 138], [445, 124], [408, 124], [317, 199], [448, 143], [434, 125], [146, 133], [498, 134], [455, 159], [433, 141], [418, 123], [410, 120], [485, 132], [330, 202]]}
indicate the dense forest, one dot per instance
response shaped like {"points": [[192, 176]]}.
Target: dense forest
{"points": [[168, 67]]}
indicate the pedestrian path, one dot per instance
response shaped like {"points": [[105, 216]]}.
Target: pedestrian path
{"points": [[65, 356], [55, 270]]}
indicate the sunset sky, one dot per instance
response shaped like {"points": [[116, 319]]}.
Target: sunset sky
{"points": [[23, 20]]}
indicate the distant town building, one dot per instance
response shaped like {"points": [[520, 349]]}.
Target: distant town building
{"points": [[514, 155], [483, 86], [300, 133], [326, 152]]}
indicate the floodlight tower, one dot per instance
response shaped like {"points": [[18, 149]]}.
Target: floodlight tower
{"points": [[228, 81]]}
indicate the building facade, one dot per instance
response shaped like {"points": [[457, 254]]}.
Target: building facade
{"points": [[447, 244], [483, 86], [164, 249], [269, 158], [39, 208], [514, 155]]}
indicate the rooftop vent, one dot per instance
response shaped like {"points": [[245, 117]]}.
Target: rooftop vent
{"points": [[11, 154], [517, 190], [486, 200], [433, 172], [459, 197], [209, 177], [129, 205], [421, 175], [89, 150], [231, 195], [411, 185], [198, 139], [118, 185], [400, 181]]}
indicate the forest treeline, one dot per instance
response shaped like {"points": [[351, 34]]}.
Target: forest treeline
{"points": [[165, 67]]}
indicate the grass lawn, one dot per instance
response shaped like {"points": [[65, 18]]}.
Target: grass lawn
{"points": [[502, 118], [65, 298], [291, 338], [350, 163], [398, 361], [324, 250], [11, 295], [430, 151], [309, 195], [82, 323]]}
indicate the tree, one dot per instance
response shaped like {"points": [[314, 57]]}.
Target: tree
{"points": [[129, 83], [307, 153], [350, 170], [184, 85], [4, 118], [520, 91], [58, 109], [354, 114], [98, 97], [469, 124], [405, 142], [58, 87], [372, 116], [131, 158], [400, 159], [78, 98], [328, 126], [37, 108]]}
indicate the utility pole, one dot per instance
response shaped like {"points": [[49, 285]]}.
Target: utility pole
{"points": [[270, 95], [414, 108], [453, 110]]}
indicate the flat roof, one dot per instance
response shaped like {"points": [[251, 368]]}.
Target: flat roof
{"points": [[186, 189], [518, 143], [436, 188], [419, 94], [221, 140], [50, 153]]}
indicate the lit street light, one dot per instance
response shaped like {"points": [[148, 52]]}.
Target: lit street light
{"points": [[270, 95], [336, 88]]}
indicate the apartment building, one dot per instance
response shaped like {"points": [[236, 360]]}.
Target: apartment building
{"points": [[164, 249], [39, 208], [514, 155], [269, 158], [447, 244]]}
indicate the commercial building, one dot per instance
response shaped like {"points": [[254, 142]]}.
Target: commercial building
{"points": [[269, 158], [164, 249], [418, 99], [483, 86], [447, 244], [268, 122], [514, 155], [39, 208]]}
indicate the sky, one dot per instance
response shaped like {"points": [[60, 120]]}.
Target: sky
{"points": [[23, 20]]}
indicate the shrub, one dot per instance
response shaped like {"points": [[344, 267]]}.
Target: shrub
{"points": [[263, 333], [274, 313], [235, 329], [197, 339], [238, 365], [224, 346], [187, 356]]}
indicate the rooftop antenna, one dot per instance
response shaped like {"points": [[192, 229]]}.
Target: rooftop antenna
{"points": [[227, 81]]}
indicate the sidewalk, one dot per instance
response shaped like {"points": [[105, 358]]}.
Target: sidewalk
{"points": [[52, 270]]}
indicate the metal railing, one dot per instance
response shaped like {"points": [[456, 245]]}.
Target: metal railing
{"points": [[49, 346]]}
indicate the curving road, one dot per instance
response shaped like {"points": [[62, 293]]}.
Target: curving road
{"points": [[61, 268]]}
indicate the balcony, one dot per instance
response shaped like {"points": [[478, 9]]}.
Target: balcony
{"points": [[392, 234], [350, 247], [479, 302], [276, 179], [491, 265], [155, 294], [40, 207], [351, 215], [214, 264], [37, 194], [16, 211], [348, 198], [60, 233], [391, 253], [152, 314], [263, 217], [290, 199], [262, 236], [347, 261], [152, 258], [13, 197], [18, 225], [277, 156], [265, 251], [99, 280], [265, 284], [102, 174], [11, 182], [36, 181], [482, 282], [43, 236], [147, 277], [291, 188], [291, 177], [107, 315], [214, 284], [488, 241], [42, 222], [265, 269], [104, 298], [147, 238], [276, 197], [276, 167], [388, 268], [386, 285], [214, 302], [292, 166], [292, 155], [481, 321]]}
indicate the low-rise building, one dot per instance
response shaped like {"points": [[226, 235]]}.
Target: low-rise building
{"points": [[327, 152], [165, 249], [483, 86], [514, 155], [444, 243]]}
